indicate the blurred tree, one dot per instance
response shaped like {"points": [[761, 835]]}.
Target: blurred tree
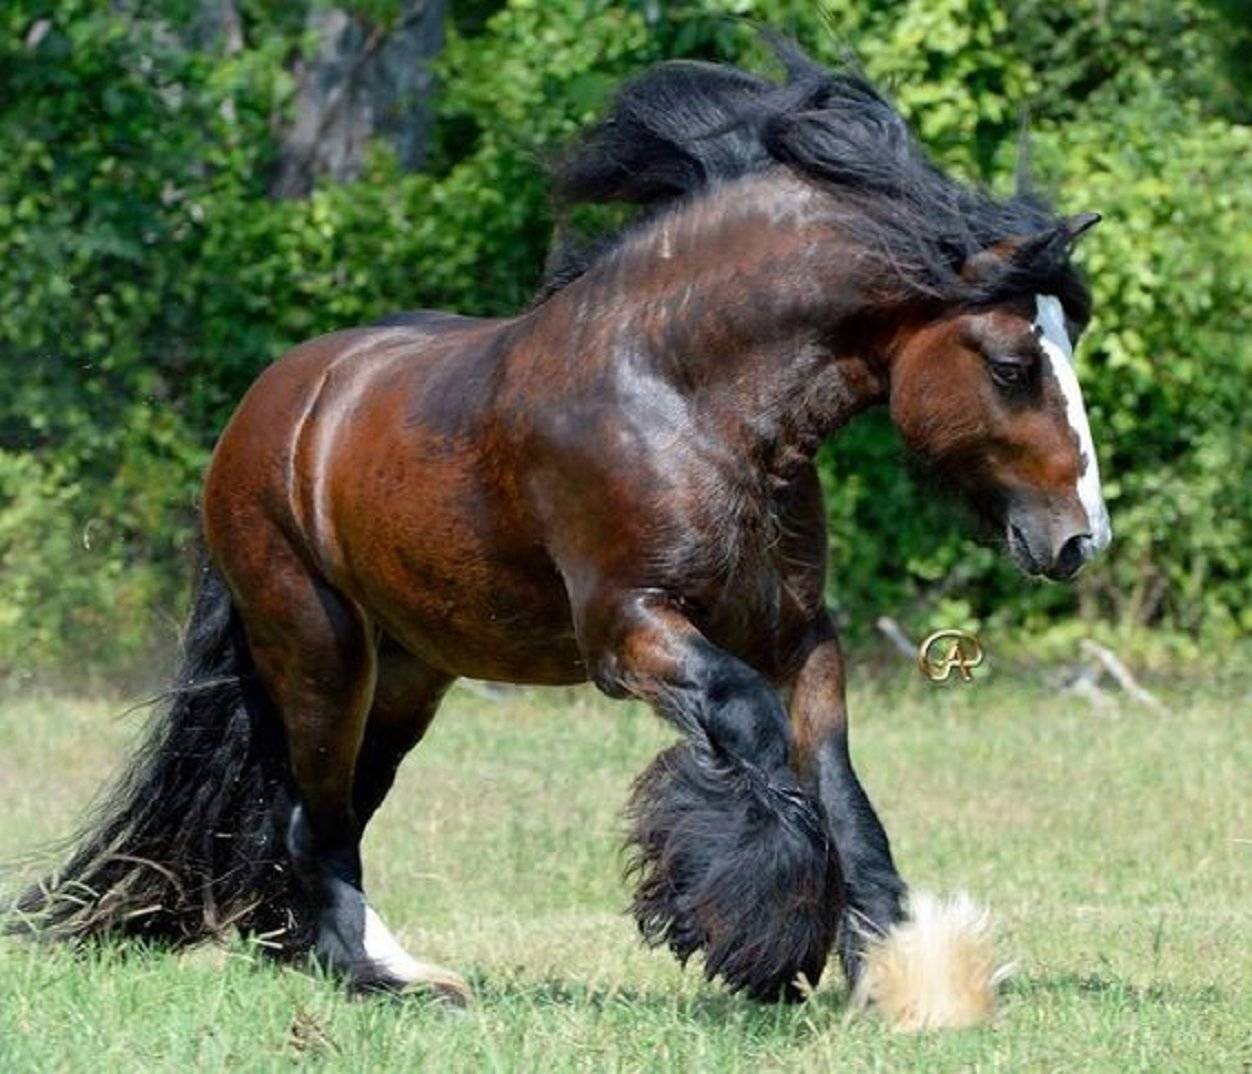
{"points": [[361, 79]]}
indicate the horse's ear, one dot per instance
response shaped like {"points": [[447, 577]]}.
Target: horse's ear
{"points": [[984, 264], [1079, 224]]}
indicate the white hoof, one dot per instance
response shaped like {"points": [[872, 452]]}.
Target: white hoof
{"points": [[935, 970], [393, 969]]}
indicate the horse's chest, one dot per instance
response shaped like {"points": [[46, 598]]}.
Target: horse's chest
{"points": [[762, 586]]}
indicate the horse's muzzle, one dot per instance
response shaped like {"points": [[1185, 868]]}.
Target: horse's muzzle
{"points": [[1038, 550]]}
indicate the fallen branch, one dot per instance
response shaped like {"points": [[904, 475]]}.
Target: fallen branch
{"points": [[1085, 684], [1107, 659], [894, 633]]}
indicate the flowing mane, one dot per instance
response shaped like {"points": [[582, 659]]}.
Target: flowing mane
{"points": [[683, 128]]}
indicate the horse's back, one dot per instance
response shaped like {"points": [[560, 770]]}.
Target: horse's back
{"points": [[428, 320], [366, 384]]}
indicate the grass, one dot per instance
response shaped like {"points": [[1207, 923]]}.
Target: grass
{"points": [[1114, 849]]}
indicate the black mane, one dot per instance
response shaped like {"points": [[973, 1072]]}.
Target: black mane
{"points": [[683, 127]]}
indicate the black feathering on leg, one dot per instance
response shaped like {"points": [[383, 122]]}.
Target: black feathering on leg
{"points": [[733, 862]]}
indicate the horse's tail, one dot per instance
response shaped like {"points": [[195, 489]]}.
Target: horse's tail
{"points": [[190, 841]]}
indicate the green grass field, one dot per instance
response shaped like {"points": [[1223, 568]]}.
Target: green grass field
{"points": [[1115, 849]]}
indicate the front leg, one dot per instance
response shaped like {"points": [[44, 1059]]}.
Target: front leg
{"points": [[873, 889], [731, 853]]}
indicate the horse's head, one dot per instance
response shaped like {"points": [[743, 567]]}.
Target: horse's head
{"points": [[987, 396], [970, 299]]}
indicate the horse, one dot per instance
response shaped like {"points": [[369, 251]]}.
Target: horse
{"points": [[617, 485]]}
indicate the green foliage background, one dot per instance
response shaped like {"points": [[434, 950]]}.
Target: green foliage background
{"points": [[146, 276]]}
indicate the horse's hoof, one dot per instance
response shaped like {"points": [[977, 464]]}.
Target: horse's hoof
{"points": [[422, 980], [373, 962], [444, 987], [401, 973], [937, 969]]}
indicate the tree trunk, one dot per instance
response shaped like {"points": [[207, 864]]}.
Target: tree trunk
{"points": [[362, 81], [217, 27]]}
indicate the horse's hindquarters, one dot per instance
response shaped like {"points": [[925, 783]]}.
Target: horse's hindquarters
{"points": [[369, 456]]}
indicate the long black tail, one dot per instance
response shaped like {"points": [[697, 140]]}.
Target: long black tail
{"points": [[191, 840]]}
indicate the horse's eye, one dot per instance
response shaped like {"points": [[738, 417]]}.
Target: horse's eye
{"points": [[1009, 374]]}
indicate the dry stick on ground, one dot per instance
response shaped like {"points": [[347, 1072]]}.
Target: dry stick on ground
{"points": [[1108, 660], [1086, 685], [892, 631]]}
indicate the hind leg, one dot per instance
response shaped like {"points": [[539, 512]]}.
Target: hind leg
{"points": [[406, 697], [315, 653]]}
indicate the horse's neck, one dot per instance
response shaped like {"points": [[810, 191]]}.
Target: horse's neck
{"points": [[745, 300]]}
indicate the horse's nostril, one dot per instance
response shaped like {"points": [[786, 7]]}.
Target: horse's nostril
{"points": [[1073, 554]]}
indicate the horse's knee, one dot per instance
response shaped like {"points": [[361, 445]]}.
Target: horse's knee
{"points": [[640, 645]]}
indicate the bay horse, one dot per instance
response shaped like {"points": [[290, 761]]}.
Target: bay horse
{"points": [[616, 485]]}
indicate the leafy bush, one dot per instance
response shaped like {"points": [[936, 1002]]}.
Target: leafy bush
{"points": [[146, 277]]}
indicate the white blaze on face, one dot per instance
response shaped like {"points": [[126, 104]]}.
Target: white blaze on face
{"points": [[1050, 326]]}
